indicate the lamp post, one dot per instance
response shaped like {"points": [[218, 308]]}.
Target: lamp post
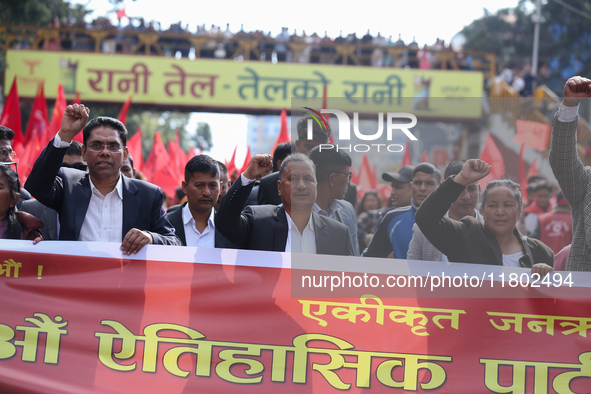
{"points": [[536, 18]]}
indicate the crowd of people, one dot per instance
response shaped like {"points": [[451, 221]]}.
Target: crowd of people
{"points": [[301, 200], [371, 50]]}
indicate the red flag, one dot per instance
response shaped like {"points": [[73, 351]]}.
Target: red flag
{"points": [[492, 155], [76, 99], [425, 159], [80, 136], [11, 115], [533, 169], [231, 165], [30, 154], [157, 167], [246, 161], [532, 134], [283, 133], [366, 178], [176, 165], [38, 120], [325, 106], [134, 146], [406, 158], [123, 113], [158, 157], [56, 117], [120, 14]]}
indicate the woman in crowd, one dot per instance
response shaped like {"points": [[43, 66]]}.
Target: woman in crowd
{"points": [[497, 241], [15, 225], [369, 202], [365, 224]]}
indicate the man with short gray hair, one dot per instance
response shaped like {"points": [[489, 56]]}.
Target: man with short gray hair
{"points": [[291, 227]]}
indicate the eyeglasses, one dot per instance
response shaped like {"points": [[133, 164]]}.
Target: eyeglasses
{"points": [[5, 154], [98, 147], [78, 166], [348, 175]]}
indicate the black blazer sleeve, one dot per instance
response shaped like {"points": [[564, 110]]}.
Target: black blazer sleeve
{"points": [[46, 181], [444, 233], [380, 245], [160, 228], [231, 222]]}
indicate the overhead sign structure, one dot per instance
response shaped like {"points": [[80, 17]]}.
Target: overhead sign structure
{"points": [[219, 83]]}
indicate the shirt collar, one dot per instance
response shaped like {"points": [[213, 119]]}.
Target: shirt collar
{"points": [[290, 222], [330, 210], [118, 187], [188, 216]]}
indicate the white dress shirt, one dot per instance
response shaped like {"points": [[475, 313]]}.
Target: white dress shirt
{"points": [[300, 243], [567, 114], [192, 236], [296, 242], [104, 218]]}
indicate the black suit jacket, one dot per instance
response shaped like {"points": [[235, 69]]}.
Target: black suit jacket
{"points": [[175, 216], [264, 227], [268, 192], [47, 215], [67, 190]]}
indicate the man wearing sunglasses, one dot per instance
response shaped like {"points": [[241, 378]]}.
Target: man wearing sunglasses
{"points": [[101, 205], [333, 173]]}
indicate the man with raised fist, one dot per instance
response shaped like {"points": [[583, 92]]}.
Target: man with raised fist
{"points": [[99, 205], [574, 178]]}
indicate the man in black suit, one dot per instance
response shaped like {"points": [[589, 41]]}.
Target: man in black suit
{"points": [[193, 221], [268, 187], [293, 227], [101, 205]]}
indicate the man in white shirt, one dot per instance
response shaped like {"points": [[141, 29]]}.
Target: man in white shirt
{"points": [[193, 221], [291, 227], [101, 205]]}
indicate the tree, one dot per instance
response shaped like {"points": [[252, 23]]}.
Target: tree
{"points": [[39, 12], [166, 123], [565, 38], [202, 137]]}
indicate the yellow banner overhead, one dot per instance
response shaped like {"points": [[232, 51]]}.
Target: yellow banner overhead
{"points": [[228, 84]]}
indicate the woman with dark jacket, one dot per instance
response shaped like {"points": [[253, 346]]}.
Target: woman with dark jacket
{"points": [[13, 224], [497, 241]]}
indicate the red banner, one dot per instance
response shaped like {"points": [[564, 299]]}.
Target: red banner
{"points": [[532, 134], [81, 317]]}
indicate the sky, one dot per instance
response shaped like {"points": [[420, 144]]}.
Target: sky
{"points": [[425, 20]]}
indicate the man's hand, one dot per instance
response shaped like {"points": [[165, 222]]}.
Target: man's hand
{"points": [[37, 240], [472, 171], [541, 269], [74, 120], [576, 89], [259, 164], [135, 240]]}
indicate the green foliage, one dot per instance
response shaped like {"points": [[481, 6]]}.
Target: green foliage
{"points": [[564, 44], [38, 12], [165, 123]]}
